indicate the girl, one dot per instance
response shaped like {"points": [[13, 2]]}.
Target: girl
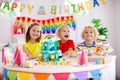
{"points": [[32, 46], [65, 44]]}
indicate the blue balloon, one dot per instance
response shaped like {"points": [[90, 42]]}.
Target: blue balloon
{"points": [[96, 3]]}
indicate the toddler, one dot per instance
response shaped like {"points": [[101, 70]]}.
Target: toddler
{"points": [[65, 43], [89, 35]]}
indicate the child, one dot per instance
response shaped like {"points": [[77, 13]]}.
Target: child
{"points": [[89, 35], [65, 44], [32, 46]]}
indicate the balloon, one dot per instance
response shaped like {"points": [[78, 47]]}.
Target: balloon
{"points": [[53, 9], [22, 6], [6, 6], [41, 10], [88, 5], [96, 3], [102, 1], [14, 5], [30, 8], [67, 9], [80, 7], [73, 5]]}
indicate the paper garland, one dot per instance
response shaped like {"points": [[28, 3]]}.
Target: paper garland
{"points": [[83, 75], [12, 75], [24, 75], [49, 25], [41, 76], [95, 74], [18, 29], [61, 76], [11, 8]]}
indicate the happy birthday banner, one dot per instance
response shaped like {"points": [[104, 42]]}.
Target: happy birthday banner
{"points": [[49, 25], [15, 7]]}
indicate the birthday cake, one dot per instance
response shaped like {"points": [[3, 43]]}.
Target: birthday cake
{"points": [[50, 55], [50, 50]]}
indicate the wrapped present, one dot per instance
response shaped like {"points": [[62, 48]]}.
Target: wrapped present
{"points": [[7, 54]]}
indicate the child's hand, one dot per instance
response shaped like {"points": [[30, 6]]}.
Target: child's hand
{"points": [[30, 56], [65, 54]]}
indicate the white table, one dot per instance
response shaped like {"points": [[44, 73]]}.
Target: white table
{"points": [[109, 70]]}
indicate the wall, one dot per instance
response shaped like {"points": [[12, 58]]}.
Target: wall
{"points": [[117, 32], [5, 30]]}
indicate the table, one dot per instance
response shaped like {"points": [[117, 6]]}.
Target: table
{"points": [[66, 72]]}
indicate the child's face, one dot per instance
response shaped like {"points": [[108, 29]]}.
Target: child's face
{"points": [[89, 34], [35, 32], [65, 34]]}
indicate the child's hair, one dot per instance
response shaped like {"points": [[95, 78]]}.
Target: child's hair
{"points": [[60, 28], [27, 36], [92, 28]]}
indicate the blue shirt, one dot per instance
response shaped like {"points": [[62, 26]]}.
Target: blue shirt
{"points": [[85, 45]]}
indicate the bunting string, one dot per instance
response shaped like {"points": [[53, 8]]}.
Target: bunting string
{"points": [[80, 75], [48, 25]]}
